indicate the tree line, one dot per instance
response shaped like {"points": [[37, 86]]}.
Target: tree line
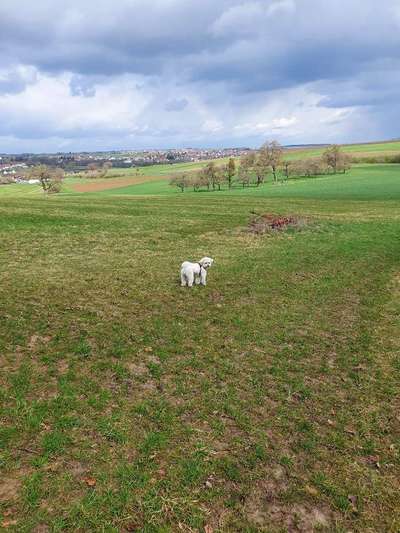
{"points": [[255, 167]]}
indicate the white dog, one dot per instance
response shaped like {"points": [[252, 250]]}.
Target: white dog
{"points": [[195, 272]]}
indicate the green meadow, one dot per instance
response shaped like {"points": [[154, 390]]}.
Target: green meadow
{"points": [[363, 182], [364, 149], [267, 401]]}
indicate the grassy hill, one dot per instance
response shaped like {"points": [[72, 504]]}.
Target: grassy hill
{"points": [[266, 401], [358, 150], [362, 182]]}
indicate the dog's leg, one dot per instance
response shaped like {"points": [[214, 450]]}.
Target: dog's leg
{"points": [[197, 279], [203, 277], [190, 279], [183, 280]]}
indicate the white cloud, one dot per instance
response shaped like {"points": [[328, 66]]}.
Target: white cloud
{"points": [[177, 72], [282, 6]]}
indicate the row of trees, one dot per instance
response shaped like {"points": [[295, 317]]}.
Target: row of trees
{"points": [[98, 171], [255, 166], [332, 161], [211, 177]]}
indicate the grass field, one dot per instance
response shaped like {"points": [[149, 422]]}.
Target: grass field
{"points": [[167, 170], [115, 176], [266, 401], [363, 182], [365, 149], [374, 182]]}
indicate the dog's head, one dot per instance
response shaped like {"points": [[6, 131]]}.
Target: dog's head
{"points": [[206, 262]]}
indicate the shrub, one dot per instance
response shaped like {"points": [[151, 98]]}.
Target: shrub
{"points": [[50, 178]]}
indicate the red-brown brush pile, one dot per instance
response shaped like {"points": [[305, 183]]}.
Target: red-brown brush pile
{"points": [[268, 222]]}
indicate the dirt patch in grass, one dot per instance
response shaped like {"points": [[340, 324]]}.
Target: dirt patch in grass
{"points": [[268, 222], [41, 528], [97, 185], [264, 507], [62, 367], [36, 340], [137, 369], [9, 488]]}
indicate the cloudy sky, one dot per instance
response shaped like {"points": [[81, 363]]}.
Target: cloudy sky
{"points": [[125, 74]]}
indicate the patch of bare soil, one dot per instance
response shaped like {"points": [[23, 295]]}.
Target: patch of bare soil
{"points": [[137, 369], [265, 506], [62, 367], [41, 528], [37, 339], [9, 487], [112, 183], [268, 222]]}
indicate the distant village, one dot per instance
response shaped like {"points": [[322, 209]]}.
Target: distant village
{"points": [[13, 168]]}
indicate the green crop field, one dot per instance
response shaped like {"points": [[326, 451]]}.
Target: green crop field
{"points": [[362, 182], [266, 401], [166, 170], [365, 149]]}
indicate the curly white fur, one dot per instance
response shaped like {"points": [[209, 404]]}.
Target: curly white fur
{"points": [[195, 272]]}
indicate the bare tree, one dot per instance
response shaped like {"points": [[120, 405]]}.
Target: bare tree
{"points": [[286, 165], [107, 165], [273, 153], [180, 180], [195, 180], [246, 168], [210, 170], [344, 163], [50, 178], [204, 178], [331, 156], [313, 166], [297, 168], [92, 170], [219, 176], [336, 159], [230, 171], [261, 165]]}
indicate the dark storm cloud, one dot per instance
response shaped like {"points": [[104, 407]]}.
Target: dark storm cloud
{"points": [[377, 86], [221, 50], [100, 37], [253, 44], [15, 80]]}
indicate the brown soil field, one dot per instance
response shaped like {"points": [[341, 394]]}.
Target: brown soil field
{"points": [[111, 183]]}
